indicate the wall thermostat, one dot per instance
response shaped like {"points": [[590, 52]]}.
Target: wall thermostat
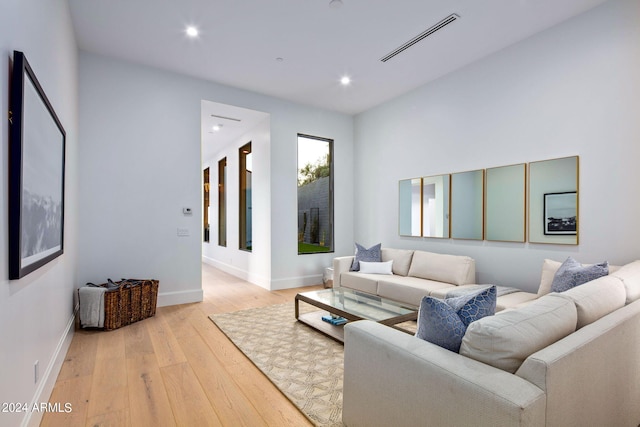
{"points": [[187, 211]]}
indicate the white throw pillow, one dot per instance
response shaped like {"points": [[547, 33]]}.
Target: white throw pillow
{"points": [[376, 267]]}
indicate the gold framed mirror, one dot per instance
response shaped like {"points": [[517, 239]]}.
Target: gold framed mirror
{"points": [[505, 203], [554, 201], [410, 207], [436, 202], [467, 199]]}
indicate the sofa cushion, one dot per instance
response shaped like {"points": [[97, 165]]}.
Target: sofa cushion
{"points": [[409, 290], [514, 300], [401, 259], [506, 299], [444, 291], [376, 267], [508, 338], [454, 269], [373, 254], [630, 276], [571, 274], [444, 322], [361, 281], [549, 269], [596, 298]]}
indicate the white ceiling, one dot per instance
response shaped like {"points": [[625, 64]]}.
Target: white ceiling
{"points": [[241, 39], [233, 122]]}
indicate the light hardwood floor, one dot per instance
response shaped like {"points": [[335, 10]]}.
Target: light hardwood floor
{"points": [[174, 369]]}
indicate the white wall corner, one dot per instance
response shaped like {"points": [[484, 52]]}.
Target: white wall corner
{"points": [[48, 380]]}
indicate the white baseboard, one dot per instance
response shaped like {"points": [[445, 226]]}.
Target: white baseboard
{"points": [[48, 380], [238, 272], [179, 297], [271, 285], [296, 282]]}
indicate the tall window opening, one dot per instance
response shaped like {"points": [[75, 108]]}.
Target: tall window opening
{"points": [[222, 202], [315, 194], [206, 204], [246, 166]]}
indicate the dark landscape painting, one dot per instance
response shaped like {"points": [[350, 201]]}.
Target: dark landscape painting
{"points": [[37, 156]]}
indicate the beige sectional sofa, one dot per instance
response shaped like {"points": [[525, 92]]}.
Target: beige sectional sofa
{"points": [[563, 359], [417, 274]]}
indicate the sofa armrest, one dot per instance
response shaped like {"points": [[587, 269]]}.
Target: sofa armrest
{"points": [[341, 265], [393, 378]]}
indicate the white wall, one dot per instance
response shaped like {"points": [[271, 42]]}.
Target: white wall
{"points": [[36, 312], [288, 268], [571, 90], [141, 164]]}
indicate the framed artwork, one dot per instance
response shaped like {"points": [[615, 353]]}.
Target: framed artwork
{"points": [[36, 174], [560, 213]]}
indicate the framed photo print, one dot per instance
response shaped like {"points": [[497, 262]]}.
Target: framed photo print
{"points": [[36, 174], [561, 213]]}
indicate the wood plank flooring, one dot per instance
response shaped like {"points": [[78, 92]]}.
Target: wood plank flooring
{"points": [[174, 369]]}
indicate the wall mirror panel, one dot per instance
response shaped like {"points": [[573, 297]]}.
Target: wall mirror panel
{"points": [[553, 201], [410, 211], [505, 203], [436, 191], [467, 196]]}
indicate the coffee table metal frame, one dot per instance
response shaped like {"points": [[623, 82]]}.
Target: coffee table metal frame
{"points": [[352, 305]]}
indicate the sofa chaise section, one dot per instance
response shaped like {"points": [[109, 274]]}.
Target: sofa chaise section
{"points": [[394, 379], [509, 371]]}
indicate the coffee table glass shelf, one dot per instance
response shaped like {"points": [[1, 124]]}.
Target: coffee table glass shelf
{"points": [[352, 305]]}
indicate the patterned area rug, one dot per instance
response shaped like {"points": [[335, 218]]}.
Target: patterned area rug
{"points": [[303, 363]]}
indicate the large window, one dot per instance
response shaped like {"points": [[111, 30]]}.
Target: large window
{"points": [[222, 202], [246, 165], [206, 205], [315, 194]]}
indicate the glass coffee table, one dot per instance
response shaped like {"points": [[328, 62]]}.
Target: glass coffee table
{"points": [[351, 305]]}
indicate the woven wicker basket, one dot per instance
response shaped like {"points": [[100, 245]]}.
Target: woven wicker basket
{"points": [[132, 301]]}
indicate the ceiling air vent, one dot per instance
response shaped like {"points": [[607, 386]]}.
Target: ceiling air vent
{"points": [[446, 21], [226, 118]]}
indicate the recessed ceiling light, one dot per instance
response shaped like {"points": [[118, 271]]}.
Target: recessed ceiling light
{"points": [[345, 81], [335, 4], [217, 127], [192, 31]]}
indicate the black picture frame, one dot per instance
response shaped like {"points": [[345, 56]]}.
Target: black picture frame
{"points": [[561, 213], [36, 174]]}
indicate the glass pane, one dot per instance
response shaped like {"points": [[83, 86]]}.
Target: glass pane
{"points": [[206, 205], [222, 202], [360, 304], [246, 242], [315, 195]]}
